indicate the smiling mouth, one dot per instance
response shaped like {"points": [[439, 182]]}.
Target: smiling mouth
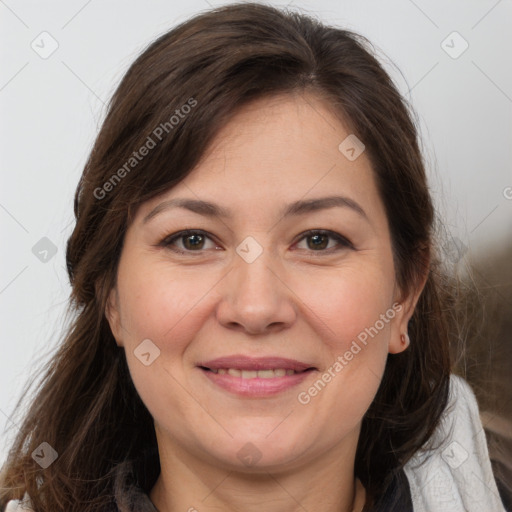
{"points": [[253, 374], [255, 377], [252, 384]]}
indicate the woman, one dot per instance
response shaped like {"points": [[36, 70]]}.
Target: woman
{"points": [[261, 323]]}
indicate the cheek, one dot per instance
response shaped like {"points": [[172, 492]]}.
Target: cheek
{"points": [[167, 308], [348, 306], [354, 311], [356, 348], [160, 304]]}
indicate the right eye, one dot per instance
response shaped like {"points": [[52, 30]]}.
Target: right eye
{"points": [[191, 240]]}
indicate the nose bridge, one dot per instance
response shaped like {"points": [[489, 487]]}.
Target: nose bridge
{"points": [[255, 276], [253, 279]]}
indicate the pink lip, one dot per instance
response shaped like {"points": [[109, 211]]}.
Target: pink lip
{"points": [[256, 387]]}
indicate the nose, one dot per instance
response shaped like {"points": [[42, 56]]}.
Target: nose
{"points": [[255, 299]]}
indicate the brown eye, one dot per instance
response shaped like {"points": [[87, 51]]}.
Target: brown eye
{"points": [[319, 240], [193, 241], [187, 241]]}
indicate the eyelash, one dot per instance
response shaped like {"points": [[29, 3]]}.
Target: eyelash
{"points": [[342, 241]]}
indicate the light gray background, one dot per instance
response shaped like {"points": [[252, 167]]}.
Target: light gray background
{"points": [[51, 109]]}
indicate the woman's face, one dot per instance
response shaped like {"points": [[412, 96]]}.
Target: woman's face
{"points": [[211, 321]]}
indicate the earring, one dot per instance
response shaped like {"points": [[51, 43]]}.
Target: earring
{"points": [[404, 338]]}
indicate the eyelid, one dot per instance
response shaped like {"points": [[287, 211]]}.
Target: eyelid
{"points": [[343, 242]]}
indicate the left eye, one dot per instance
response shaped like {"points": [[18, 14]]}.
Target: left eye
{"points": [[319, 240]]}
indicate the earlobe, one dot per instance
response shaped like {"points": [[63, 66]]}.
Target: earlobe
{"points": [[405, 340], [399, 333], [399, 337], [112, 315], [400, 340]]}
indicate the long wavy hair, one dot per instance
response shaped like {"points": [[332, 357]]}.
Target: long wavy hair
{"points": [[86, 406]]}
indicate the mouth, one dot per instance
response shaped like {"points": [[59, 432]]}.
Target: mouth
{"points": [[253, 374], [255, 377]]}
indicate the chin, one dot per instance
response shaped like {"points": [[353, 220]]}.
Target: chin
{"points": [[262, 450]]}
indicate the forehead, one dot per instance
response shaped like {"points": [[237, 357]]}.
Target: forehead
{"points": [[284, 128], [277, 150]]}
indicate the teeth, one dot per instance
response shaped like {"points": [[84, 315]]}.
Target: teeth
{"points": [[266, 374], [252, 374]]}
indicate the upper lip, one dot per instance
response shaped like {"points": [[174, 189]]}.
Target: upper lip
{"points": [[241, 362]]}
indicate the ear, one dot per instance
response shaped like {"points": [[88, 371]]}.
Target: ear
{"points": [[401, 320], [113, 315]]}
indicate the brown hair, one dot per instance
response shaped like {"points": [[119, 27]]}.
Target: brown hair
{"points": [[87, 407]]}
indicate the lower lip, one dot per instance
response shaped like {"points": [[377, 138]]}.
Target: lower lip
{"points": [[256, 387]]}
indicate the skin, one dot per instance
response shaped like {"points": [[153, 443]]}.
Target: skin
{"points": [[293, 301]]}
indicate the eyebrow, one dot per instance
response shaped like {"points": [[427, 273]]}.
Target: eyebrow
{"points": [[300, 207]]}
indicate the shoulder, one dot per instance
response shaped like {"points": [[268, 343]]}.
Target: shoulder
{"points": [[454, 472], [19, 505]]}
